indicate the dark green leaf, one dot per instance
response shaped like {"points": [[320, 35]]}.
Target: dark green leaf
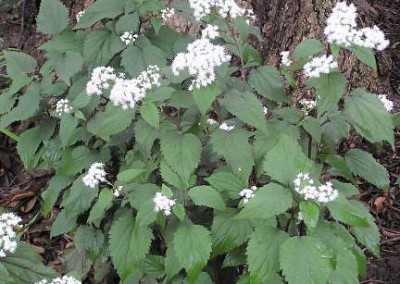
{"points": [[19, 62], [150, 114], [365, 55], [206, 196], [50, 195], [310, 212], [53, 17], [103, 203], [308, 48], [205, 96], [268, 82]]}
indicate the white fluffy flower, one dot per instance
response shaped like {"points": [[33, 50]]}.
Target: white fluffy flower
{"points": [[371, 38], [61, 280], [226, 127], [318, 65], [211, 121], [79, 15], [95, 175], [285, 58], [127, 93], [8, 241], [247, 193], [225, 8], [200, 60], [167, 13], [128, 37], [118, 190], [307, 105], [265, 110], [100, 80], [163, 204], [304, 185], [386, 102], [63, 106], [210, 32]]}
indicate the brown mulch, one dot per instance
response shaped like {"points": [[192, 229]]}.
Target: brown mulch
{"points": [[20, 191]]}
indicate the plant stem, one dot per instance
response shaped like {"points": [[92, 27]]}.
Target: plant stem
{"points": [[10, 134]]}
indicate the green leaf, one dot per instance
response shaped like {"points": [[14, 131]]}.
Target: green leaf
{"points": [[52, 18], [227, 184], [150, 114], [89, 240], [136, 58], [364, 165], [100, 46], [346, 189], [205, 96], [369, 117], [227, 144], [228, 233], [346, 268], [141, 193], [365, 55], [103, 203], [130, 175], [329, 89], [304, 260], [206, 196], [268, 82], [286, 160], [68, 125], [310, 212], [181, 152], [65, 41], [112, 121], [25, 266], [342, 210], [18, 62], [192, 247], [99, 10], [308, 48], [50, 195], [179, 211], [263, 253], [335, 129], [312, 126], [146, 214], [63, 223], [129, 244], [153, 265], [339, 167], [246, 107], [66, 64], [268, 201], [27, 107], [145, 136], [129, 22]]}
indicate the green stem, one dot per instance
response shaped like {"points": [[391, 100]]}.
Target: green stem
{"points": [[10, 134]]}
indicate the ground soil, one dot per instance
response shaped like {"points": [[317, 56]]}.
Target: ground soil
{"points": [[20, 190]]}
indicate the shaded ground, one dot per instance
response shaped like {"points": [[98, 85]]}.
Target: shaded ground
{"points": [[19, 190]]}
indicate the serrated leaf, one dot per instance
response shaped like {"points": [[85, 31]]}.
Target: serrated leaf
{"points": [[335, 129], [66, 64], [227, 184], [344, 211], [129, 175], [63, 223], [99, 10], [310, 212], [345, 189], [153, 265], [286, 160], [308, 48], [50, 195], [171, 261], [179, 212], [363, 164], [129, 244], [346, 269], [25, 266], [68, 125], [18, 62], [141, 193], [205, 96], [100, 46], [246, 107], [329, 89], [52, 18], [263, 253], [369, 117], [103, 203], [339, 167], [365, 55], [312, 126], [146, 214], [89, 240], [150, 114], [192, 247], [206, 196], [112, 121], [65, 41], [228, 233], [227, 144], [268, 201], [268, 82], [311, 263], [181, 152]]}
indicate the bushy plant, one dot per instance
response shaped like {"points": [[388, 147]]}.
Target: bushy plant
{"points": [[182, 158]]}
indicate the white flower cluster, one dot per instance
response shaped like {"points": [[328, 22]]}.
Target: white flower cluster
{"points": [[319, 65], [163, 203], [304, 185], [79, 15], [63, 106], [100, 80], [117, 191], [61, 280], [342, 29], [386, 102], [248, 193], [226, 127], [307, 105], [200, 60], [8, 241], [210, 32], [265, 110], [167, 13], [128, 37], [95, 175], [126, 93], [285, 60], [211, 121]]}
